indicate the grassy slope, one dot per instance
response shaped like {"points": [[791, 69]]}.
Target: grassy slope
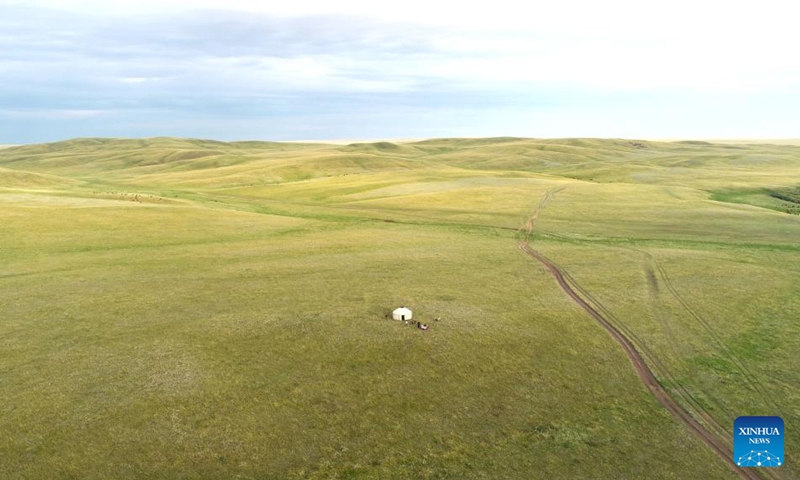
{"points": [[230, 320]]}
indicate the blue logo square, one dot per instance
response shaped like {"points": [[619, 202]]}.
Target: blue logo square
{"points": [[758, 441]]}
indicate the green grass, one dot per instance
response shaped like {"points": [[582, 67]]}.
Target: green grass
{"points": [[786, 199], [196, 309]]}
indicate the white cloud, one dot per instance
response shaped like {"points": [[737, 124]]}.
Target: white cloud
{"points": [[83, 58], [616, 44], [51, 114], [134, 80]]}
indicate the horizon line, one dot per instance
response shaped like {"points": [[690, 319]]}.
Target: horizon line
{"points": [[347, 141]]}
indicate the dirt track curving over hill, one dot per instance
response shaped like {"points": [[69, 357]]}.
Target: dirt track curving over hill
{"points": [[640, 366]]}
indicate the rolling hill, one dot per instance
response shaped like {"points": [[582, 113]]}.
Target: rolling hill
{"points": [[178, 308]]}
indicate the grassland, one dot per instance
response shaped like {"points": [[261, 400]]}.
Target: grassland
{"points": [[195, 309]]}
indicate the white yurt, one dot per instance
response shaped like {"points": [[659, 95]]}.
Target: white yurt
{"points": [[401, 313]]}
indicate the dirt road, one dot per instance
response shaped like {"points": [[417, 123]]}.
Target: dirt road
{"points": [[639, 365]]}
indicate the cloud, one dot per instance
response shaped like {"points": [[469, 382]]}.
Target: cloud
{"points": [[240, 61], [50, 114]]}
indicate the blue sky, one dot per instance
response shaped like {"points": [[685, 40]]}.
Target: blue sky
{"points": [[361, 70]]}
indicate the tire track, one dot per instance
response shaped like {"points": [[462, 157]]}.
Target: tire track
{"points": [[687, 398], [684, 395], [696, 407], [644, 372], [755, 383]]}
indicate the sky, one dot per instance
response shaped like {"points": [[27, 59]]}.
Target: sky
{"points": [[351, 69]]}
